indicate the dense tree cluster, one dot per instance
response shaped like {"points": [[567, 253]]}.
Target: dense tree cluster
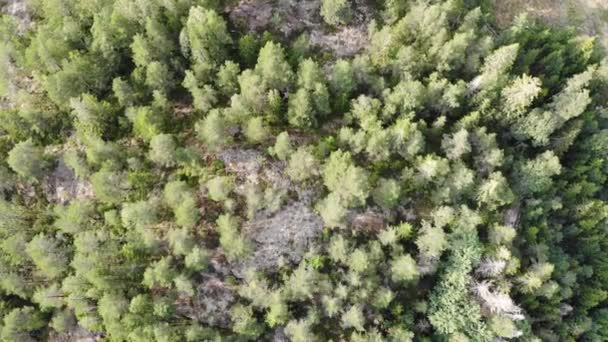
{"points": [[459, 176]]}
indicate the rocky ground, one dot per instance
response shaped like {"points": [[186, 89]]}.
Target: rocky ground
{"points": [[588, 16], [17, 9], [297, 17]]}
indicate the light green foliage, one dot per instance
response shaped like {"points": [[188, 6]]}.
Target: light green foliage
{"points": [[112, 306], [204, 97], [301, 109], [197, 259], [147, 121], [406, 96], [160, 273], [103, 153], [299, 331], [353, 318], [175, 192], [140, 214], [273, 67], [244, 323], [311, 101], [432, 168], [503, 327], [431, 241], [13, 284], [184, 285], [571, 102], [407, 138], [338, 249], [27, 160], [48, 297], [342, 80], [340, 170], [227, 78], [182, 199], [403, 269], [495, 191], [252, 98], [220, 188], [358, 262], [206, 36], [500, 234], [456, 145], [335, 12], [394, 9], [158, 77], [234, 244], [256, 130], [92, 117], [282, 147], [170, 223], [50, 258], [533, 279], [254, 199], [302, 283], [163, 150], [75, 217], [387, 193], [309, 74], [212, 130], [520, 94], [123, 92], [181, 241], [535, 175], [76, 162], [391, 235], [495, 66], [278, 312], [62, 320], [187, 213], [19, 322], [489, 155], [302, 165], [79, 73]]}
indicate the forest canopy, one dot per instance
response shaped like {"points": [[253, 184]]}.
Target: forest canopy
{"points": [[216, 170]]}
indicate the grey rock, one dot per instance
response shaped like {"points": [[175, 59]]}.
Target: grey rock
{"points": [[62, 186], [284, 237], [211, 304], [75, 334]]}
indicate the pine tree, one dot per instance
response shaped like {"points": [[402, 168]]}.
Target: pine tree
{"points": [[212, 130], [51, 259], [335, 12], [282, 147], [163, 150], [273, 67], [340, 170], [206, 36], [27, 160], [302, 165]]}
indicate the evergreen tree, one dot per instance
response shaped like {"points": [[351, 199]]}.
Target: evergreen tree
{"points": [[273, 67], [27, 160]]}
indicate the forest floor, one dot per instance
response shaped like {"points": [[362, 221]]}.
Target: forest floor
{"points": [[588, 16]]}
